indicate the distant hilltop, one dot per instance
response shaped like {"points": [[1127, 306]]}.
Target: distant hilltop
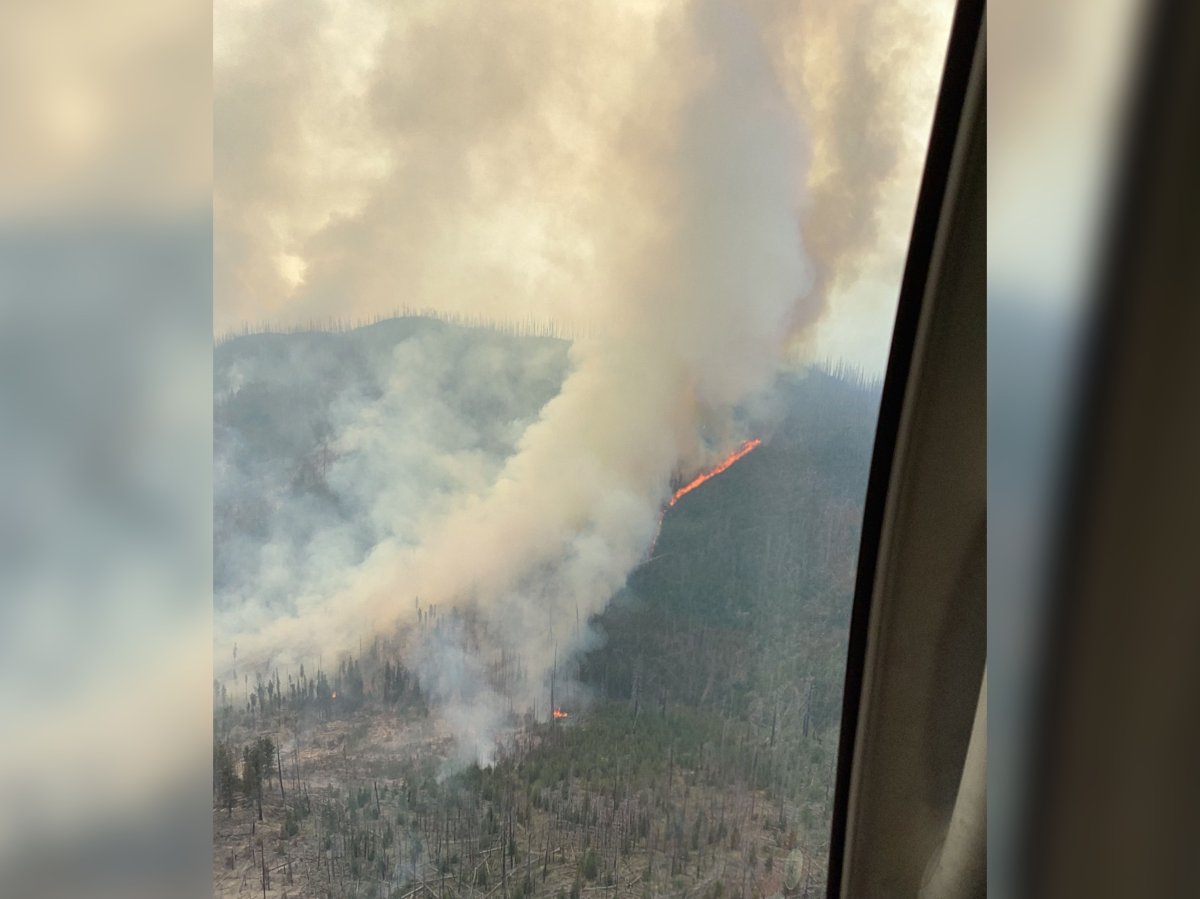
{"points": [[529, 326]]}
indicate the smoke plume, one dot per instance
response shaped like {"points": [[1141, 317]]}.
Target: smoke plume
{"points": [[640, 175], [474, 157]]}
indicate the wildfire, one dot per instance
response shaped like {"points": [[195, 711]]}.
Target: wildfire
{"points": [[334, 696], [744, 450], [559, 713], [724, 465]]}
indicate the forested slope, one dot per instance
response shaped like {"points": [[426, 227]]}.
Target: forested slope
{"points": [[699, 754]]}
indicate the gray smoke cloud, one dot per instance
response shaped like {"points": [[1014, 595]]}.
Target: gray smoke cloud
{"points": [[474, 157], [862, 75], [325, 445], [651, 193]]}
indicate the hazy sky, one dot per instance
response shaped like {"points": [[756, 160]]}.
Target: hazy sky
{"points": [[480, 158]]}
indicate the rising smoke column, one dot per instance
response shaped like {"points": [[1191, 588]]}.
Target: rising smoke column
{"points": [[700, 328], [708, 278]]}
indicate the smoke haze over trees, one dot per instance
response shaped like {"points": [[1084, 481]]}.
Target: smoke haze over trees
{"points": [[700, 284], [700, 744], [680, 186], [445, 543]]}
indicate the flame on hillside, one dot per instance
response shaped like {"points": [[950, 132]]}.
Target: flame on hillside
{"points": [[744, 450], [724, 465], [559, 713]]}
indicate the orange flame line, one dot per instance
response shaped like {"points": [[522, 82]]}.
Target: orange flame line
{"points": [[743, 450]]}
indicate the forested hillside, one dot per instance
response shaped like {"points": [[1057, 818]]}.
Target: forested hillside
{"points": [[327, 442], [750, 581], [697, 755]]}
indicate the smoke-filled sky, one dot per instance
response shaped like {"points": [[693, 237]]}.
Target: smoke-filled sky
{"points": [[693, 190], [499, 159]]}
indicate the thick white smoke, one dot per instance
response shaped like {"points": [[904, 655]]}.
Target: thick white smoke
{"points": [[485, 157], [702, 291], [709, 288]]}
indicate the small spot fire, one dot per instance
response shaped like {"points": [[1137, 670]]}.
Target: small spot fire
{"points": [[559, 714]]}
